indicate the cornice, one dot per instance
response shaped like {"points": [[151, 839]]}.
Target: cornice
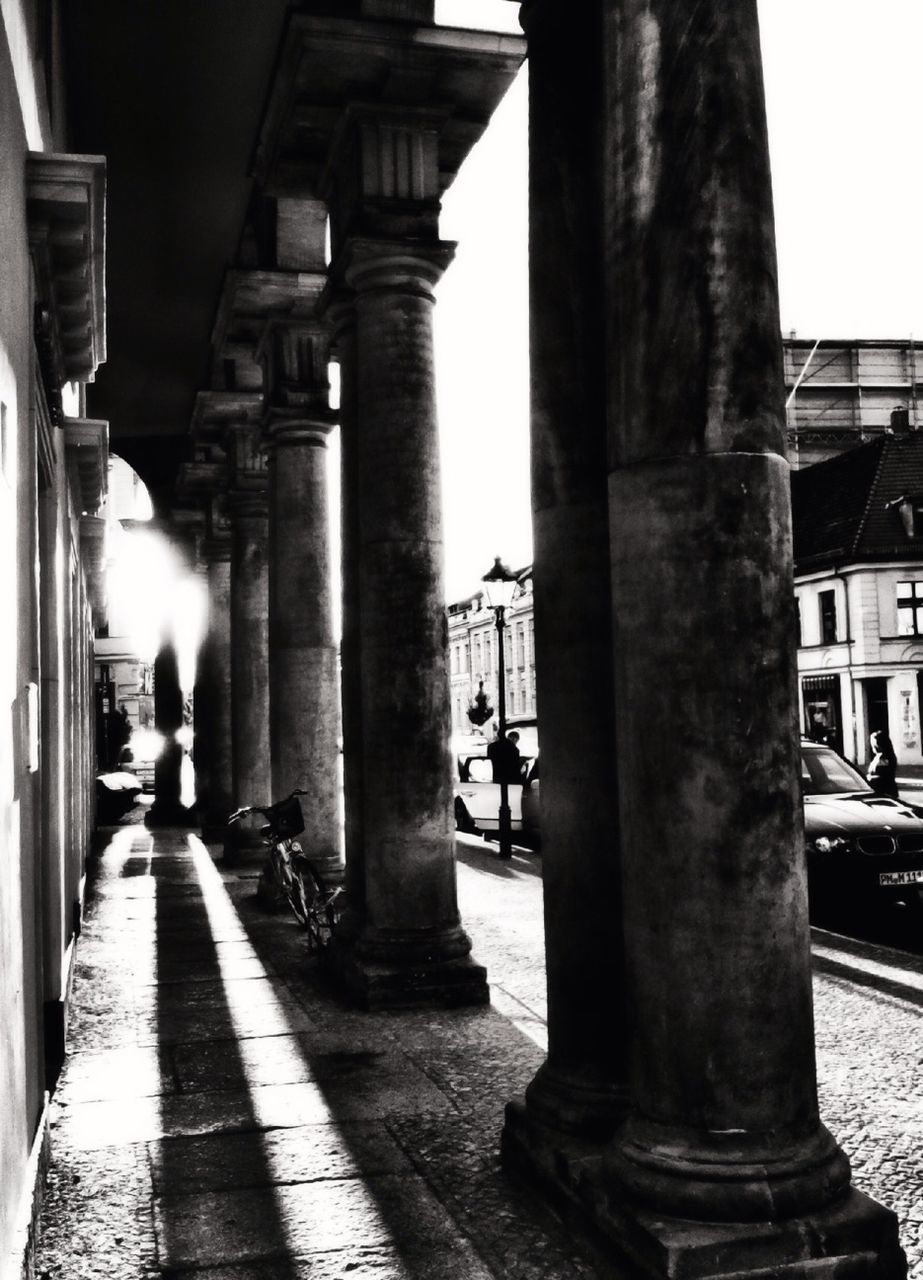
{"points": [[216, 412], [65, 208], [87, 449], [328, 61]]}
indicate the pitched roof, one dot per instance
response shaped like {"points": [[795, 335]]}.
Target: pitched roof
{"points": [[849, 507]]}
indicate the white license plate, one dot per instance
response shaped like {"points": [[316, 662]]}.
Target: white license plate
{"points": [[901, 877]]}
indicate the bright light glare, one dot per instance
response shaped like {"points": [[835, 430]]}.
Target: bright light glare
{"points": [[142, 576], [151, 598], [146, 744], [482, 15]]}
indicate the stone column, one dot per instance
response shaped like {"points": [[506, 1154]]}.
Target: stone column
{"points": [[167, 809], [248, 510], [303, 675], [581, 1087], [412, 947], [213, 701], [724, 1125]]}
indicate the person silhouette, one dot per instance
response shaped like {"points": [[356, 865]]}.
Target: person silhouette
{"points": [[503, 754], [882, 770]]}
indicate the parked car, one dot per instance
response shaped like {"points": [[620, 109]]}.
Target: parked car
{"points": [[139, 756], [477, 796], [862, 848], [116, 793]]}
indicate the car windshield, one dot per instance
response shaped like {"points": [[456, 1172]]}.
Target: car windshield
{"points": [[823, 773]]}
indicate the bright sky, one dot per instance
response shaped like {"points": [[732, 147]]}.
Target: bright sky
{"points": [[841, 90]]}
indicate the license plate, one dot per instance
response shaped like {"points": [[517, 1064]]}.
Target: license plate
{"points": [[901, 877]]}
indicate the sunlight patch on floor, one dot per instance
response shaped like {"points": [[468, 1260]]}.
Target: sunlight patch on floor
{"points": [[305, 1100]]}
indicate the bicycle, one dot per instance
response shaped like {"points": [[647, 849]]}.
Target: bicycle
{"points": [[288, 872]]}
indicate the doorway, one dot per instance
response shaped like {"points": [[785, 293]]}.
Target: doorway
{"points": [[876, 706]]}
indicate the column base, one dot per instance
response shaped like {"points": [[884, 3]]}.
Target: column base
{"points": [[169, 813], [213, 832], [381, 984], [853, 1238], [584, 1106], [330, 867], [242, 846]]}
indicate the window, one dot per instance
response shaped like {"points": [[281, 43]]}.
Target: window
{"points": [[827, 602], [910, 608], [798, 632]]}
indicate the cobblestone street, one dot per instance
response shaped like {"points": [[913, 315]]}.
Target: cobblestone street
{"points": [[221, 1115], [868, 1006]]}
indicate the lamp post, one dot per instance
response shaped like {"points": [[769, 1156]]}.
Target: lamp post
{"points": [[499, 586]]}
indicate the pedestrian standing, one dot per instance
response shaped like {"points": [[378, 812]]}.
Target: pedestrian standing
{"points": [[505, 759], [882, 771]]}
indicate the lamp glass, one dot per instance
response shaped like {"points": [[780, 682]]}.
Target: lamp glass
{"points": [[500, 585]]}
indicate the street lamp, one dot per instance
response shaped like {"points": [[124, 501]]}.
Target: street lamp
{"points": [[499, 586]]}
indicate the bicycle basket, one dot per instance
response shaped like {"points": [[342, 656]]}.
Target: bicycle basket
{"points": [[286, 818]]}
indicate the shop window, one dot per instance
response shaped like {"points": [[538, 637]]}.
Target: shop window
{"points": [[827, 603], [910, 608]]}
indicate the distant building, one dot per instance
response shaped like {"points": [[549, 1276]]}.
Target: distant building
{"points": [[121, 677], [473, 656], [858, 546], [843, 393]]}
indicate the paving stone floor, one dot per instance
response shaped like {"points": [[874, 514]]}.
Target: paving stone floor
{"points": [[222, 1116]]}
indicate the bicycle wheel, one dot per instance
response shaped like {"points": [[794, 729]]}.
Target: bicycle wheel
{"points": [[298, 900], [311, 894], [271, 889]]}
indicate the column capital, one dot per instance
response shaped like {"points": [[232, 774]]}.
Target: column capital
{"points": [[294, 353], [248, 466], [394, 265]]}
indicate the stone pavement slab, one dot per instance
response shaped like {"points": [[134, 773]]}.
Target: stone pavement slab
{"points": [[228, 1161]]}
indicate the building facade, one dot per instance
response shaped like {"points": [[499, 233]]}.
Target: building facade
{"points": [[473, 656], [859, 592], [52, 486], [842, 393]]}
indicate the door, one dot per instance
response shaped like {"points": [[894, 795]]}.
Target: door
{"points": [[876, 706]]}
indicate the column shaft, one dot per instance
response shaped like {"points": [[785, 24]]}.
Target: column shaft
{"points": [[582, 1085], [213, 702], [407, 779], [168, 718], [407, 787], [249, 650], [724, 1124], [304, 687]]}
